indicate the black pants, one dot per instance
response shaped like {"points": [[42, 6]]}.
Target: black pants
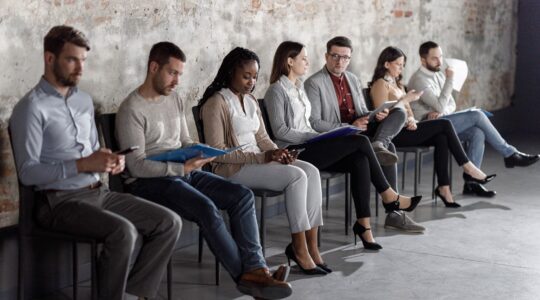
{"points": [[441, 134], [349, 154]]}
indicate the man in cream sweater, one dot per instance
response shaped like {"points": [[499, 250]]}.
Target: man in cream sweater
{"points": [[472, 127]]}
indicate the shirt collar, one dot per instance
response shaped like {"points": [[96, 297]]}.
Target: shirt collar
{"points": [[289, 84], [49, 89], [334, 77]]}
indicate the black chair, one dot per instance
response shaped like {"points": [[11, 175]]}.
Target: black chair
{"points": [[259, 193], [326, 176], [106, 124], [28, 229]]}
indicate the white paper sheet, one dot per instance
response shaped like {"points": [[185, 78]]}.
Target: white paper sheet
{"points": [[460, 71]]}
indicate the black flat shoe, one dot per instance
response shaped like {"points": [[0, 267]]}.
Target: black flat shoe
{"points": [[325, 267], [473, 188], [358, 231], [519, 159], [392, 206], [446, 203], [469, 178], [289, 252]]}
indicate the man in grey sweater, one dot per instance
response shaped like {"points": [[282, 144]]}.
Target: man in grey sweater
{"points": [[337, 100], [152, 117], [472, 127]]}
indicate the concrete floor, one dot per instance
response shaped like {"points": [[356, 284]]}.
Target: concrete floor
{"points": [[487, 249]]}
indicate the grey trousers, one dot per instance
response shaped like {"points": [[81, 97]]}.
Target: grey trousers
{"points": [[302, 185], [388, 128], [116, 220]]}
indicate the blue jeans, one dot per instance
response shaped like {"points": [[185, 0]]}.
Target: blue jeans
{"points": [[473, 127], [199, 197]]}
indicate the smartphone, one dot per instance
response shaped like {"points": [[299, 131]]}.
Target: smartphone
{"points": [[296, 152], [127, 150]]}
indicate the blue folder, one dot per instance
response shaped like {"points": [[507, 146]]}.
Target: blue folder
{"points": [[183, 154], [341, 131]]}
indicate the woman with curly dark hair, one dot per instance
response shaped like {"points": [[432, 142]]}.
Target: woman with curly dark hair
{"points": [[231, 118]]}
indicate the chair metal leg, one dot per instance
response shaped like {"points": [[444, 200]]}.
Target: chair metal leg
{"points": [[347, 204], [327, 192], [350, 205], [169, 280], [93, 275], [416, 170], [403, 170], [420, 173], [262, 229], [433, 183], [450, 168], [217, 271], [22, 247], [75, 269], [376, 203], [201, 241]]}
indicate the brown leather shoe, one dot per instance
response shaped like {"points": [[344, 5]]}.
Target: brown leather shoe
{"points": [[260, 284]]}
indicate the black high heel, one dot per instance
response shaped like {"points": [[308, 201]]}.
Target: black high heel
{"points": [[392, 206], [358, 231], [325, 267], [488, 178], [446, 203], [289, 252]]}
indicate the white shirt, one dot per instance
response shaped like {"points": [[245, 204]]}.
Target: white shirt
{"points": [[245, 123], [300, 104]]}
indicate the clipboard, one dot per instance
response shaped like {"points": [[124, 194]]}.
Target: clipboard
{"points": [[387, 104]]}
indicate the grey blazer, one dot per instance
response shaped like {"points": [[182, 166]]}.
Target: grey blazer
{"points": [[281, 115], [325, 114]]}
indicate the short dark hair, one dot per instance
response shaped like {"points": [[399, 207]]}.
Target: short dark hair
{"points": [[58, 36], [162, 51], [340, 41], [425, 47]]}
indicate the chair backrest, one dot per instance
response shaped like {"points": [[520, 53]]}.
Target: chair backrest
{"points": [[106, 124], [106, 127], [266, 118], [367, 95], [196, 110]]}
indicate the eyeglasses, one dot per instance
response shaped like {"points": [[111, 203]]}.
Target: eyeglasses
{"points": [[337, 57]]}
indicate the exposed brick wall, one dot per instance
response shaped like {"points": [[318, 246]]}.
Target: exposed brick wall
{"points": [[9, 195]]}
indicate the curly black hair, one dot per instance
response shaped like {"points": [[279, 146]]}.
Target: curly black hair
{"points": [[236, 58]]}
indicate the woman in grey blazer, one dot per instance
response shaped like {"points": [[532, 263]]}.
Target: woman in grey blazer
{"points": [[289, 111]]}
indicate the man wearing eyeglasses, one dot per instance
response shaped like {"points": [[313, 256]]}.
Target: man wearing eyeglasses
{"points": [[337, 100]]}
